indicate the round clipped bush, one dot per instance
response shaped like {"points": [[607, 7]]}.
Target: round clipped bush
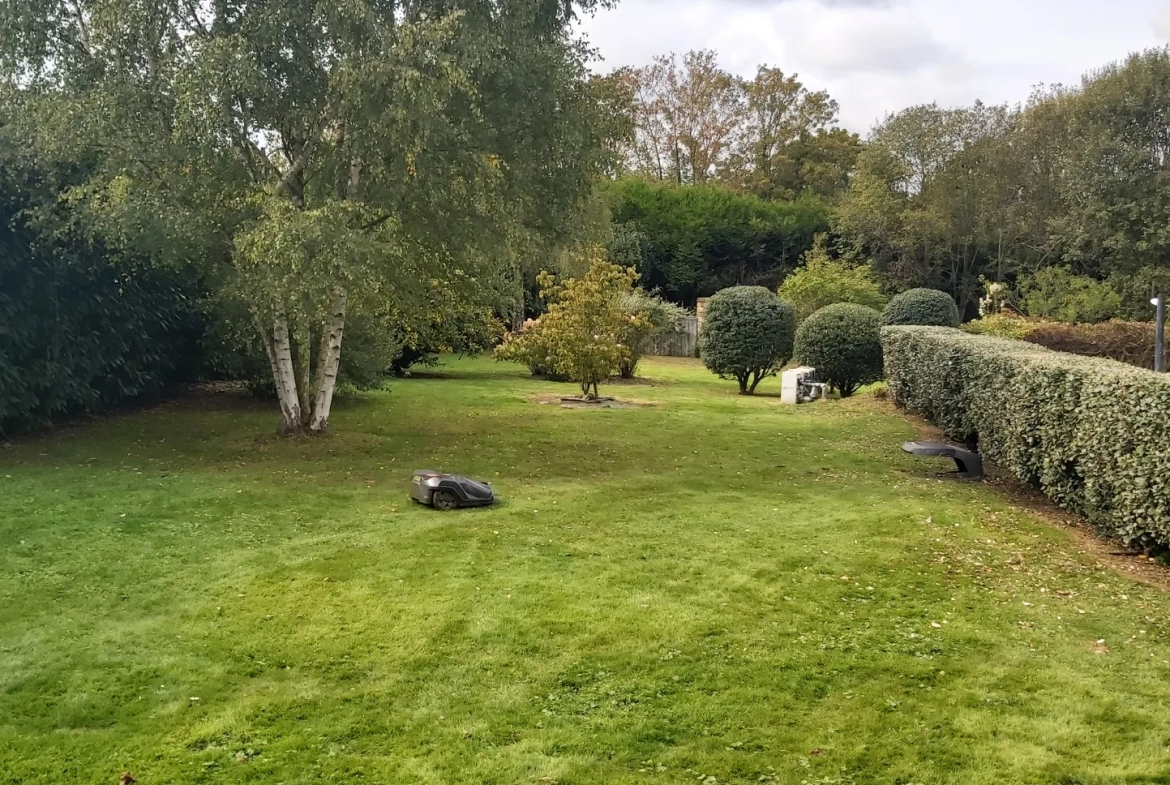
{"points": [[844, 343], [747, 335], [928, 307]]}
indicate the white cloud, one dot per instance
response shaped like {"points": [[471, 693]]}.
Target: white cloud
{"points": [[864, 42], [1161, 23]]}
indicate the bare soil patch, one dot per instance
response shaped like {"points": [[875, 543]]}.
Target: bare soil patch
{"points": [[570, 402]]}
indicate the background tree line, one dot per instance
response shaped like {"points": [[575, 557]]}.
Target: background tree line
{"points": [[689, 122], [1065, 198]]}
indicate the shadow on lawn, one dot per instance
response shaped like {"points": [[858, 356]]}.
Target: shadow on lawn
{"points": [[432, 374]]}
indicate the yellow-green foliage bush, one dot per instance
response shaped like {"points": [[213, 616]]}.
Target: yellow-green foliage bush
{"points": [[1092, 434], [583, 335], [1058, 294], [1001, 325], [824, 281]]}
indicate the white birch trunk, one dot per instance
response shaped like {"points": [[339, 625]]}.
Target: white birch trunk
{"points": [[328, 363], [266, 336], [284, 374]]}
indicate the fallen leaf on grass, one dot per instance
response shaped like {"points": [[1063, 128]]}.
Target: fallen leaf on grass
{"points": [[1100, 648]]}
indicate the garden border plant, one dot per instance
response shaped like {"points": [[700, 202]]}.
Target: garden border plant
{"points": [[582, 335], [1092, 434], [1127, 342]]}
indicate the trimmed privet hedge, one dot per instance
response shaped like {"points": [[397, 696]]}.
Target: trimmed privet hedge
{"points": [[1092, 434]]}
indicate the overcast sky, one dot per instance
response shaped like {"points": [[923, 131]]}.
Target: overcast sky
{"points": [[878, 56]]}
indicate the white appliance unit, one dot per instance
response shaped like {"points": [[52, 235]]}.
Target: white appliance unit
{"points": [[800, 385]]}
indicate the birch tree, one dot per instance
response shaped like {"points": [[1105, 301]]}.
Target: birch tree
{"points": [[320, 159]]}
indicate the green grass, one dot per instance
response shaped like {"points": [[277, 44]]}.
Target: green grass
{"points": [[711, 590]]}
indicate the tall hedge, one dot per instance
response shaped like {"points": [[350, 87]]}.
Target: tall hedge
{"points": [[691, 241], [1092, 434], [78, 333]]}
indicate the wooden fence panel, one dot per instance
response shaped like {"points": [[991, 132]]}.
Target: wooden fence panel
{"points": [[683, 344]]}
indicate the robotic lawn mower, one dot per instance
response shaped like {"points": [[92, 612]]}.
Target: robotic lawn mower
{"points": [[449, 491]]}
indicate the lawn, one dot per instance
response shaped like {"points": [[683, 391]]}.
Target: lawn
{"points": [[713, 589]]}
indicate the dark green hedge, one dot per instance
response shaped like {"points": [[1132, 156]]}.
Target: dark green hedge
{"points": [[691, 241], [78, 333], [1092, 434]]}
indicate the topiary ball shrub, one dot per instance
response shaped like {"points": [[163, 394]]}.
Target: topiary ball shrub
{"points": [[844, 343], [928, 307], [747, 335]]}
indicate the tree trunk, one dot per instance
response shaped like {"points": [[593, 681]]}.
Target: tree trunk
{"points": [[284, 374], [328, 363], [301, 359], [518, 304]]}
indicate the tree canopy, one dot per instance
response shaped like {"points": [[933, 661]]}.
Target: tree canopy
{"points": [[318, 160], [1076, 177], [691, 122]]}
